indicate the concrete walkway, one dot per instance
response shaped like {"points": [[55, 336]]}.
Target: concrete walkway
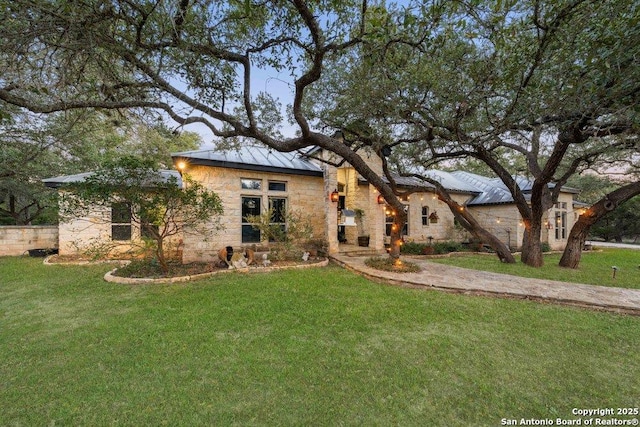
{"points": [[462, 280]]}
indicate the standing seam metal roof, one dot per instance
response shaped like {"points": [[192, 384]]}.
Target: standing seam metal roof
{"points": [[253, 158]]}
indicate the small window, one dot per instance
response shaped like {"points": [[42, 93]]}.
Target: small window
{"points": [[251, 184], [277, 186], [425, 215], [121, 221]]}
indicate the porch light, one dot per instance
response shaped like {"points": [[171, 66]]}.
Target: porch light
{"points": [[335, 196], [380, 199], [181, 165]]}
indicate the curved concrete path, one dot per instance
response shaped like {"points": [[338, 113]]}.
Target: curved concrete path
{"points": [[462, 280]]}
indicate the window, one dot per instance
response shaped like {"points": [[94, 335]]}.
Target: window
{"points": [[121, 221], [388, 222], [277, 186], [251, 184], [278, 206], [425, 215], [250, 206], [561, 225]]}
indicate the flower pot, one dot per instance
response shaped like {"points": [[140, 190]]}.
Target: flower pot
{"points": [[427, 250], [363, 241]]}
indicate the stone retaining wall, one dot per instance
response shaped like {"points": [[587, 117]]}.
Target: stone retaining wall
{"points": [[16, 240]]}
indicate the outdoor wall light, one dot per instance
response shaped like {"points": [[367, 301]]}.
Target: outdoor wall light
{"points": [[181, 165], [335, 196], [380, 199]]}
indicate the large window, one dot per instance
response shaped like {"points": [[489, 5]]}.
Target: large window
{"points": [[121, 221], [250, 206], [561, 225], [278, 207]]}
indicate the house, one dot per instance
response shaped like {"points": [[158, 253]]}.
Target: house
{"points": [[340, 205], [111, 224]]}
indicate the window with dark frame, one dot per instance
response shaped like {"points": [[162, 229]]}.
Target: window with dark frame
{"points": [[250, 206], [121, 221], [388, 223], [425, 215], [277, 186], [278, 207]]}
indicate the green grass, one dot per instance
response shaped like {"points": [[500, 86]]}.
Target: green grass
{"points": [[313, 347], [595, 267]]}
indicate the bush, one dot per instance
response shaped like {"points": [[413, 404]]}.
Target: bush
{"points": [[546, 247], [447, 247], [412, 248], [439, 248]]}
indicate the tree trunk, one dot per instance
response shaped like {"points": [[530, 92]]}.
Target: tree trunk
{"points": [[160, 254], [470, 224], [575, 243], [399, 220], [531, 246], [580, 230]]}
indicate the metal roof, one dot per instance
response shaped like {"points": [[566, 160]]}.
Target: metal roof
{"points": [[59, 181], [253, 158], [494, 191]]}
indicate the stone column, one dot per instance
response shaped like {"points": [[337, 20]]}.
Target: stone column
{"points": [[376, 221], [331, 208]]}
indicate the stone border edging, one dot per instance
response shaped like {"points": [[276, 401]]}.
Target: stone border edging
{"points": [[109, 277]]}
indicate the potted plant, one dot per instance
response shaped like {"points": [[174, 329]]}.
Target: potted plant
{"points": [[428, 250], [363, 239]]}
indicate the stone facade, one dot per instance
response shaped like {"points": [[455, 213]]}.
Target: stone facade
{"points": [[16, 240], [93, 233], [304, 194], [300, 188]]}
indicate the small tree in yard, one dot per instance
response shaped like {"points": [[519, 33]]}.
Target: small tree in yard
{"points": [[159, 206]]}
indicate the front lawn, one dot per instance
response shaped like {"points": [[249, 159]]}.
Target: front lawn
{"points": [[309, 347], [595, 267]]}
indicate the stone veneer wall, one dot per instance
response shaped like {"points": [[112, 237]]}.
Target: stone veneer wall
{"points": [[16, 240], [304, 193]]}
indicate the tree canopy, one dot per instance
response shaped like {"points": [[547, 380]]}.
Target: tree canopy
{"points": [[33, 147], [551, 85]]}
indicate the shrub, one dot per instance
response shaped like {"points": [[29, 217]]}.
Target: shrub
{"points": [[447, 247], [412, 248]]}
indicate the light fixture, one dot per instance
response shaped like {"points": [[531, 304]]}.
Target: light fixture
{"points": [[335, 196], [380, 199], [181, 165]]}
